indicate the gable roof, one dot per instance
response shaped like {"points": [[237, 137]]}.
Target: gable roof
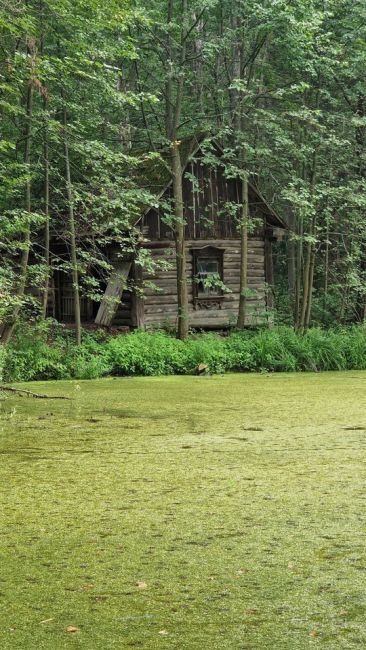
{"points": [[154, 176]]}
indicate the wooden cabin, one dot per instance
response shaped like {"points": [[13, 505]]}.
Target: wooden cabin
{"points": [[212, 248]]}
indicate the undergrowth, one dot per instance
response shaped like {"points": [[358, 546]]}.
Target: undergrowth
{"points": [[40, 354]]}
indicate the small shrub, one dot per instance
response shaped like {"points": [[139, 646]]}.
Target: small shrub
{"points": [[146, 353], [88, 360], [209, 349]]}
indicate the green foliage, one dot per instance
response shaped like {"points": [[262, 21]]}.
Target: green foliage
{"points": [[146, 354], [34, 359], [88, 361], [45, 354]]}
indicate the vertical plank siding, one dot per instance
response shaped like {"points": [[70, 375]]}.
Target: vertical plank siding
{"points": [[206, 192]]}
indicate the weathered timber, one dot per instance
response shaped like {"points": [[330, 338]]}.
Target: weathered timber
{"points": [[137, 304], [113, 293]]}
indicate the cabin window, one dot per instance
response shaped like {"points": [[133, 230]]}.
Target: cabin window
{"points": [[208, 277]]}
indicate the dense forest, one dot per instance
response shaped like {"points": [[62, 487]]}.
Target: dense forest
{"points": [[90, 91]]}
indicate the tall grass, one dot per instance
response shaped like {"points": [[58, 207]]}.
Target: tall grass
{"points": [[37, 355]]}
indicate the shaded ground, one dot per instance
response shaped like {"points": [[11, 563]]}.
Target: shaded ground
{"points": [[198, 513]]}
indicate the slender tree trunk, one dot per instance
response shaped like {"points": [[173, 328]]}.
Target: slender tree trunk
{"points": [[310, 259], [47, 222], [237, 111], [72, 235], [326, 261], [310, 293], [173, 107], [180, 247], [344, 303], [198, 47], [360, 152], [8, 329], [299, 267], [306, 287], [243, 254], [291, 263]]}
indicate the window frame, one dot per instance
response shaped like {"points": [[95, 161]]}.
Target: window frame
{"points": [[207, 252]]}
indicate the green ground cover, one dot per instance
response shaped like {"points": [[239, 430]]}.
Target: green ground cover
{"points": [[185, 513], [49, 352]]}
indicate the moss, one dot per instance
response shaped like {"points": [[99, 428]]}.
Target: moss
{"points": [[185, 512]]}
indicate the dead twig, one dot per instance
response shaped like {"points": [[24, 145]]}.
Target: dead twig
{"points": [[29, 393]]}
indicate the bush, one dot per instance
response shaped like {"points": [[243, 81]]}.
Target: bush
{"points": [[89, 360], [143, 353], [33, 359], [209, 349], [50, 353]]}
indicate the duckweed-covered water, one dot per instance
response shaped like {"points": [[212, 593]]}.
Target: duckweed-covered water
{"points": [[188, 513]]}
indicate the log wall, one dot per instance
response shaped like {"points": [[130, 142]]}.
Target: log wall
{"points": [[158, 307], [160, 304]]}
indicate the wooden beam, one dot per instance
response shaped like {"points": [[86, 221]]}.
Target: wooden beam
{"points": [[113, 293], [138, 305]]}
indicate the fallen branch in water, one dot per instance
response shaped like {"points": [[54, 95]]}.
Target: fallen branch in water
{"points": [[29, 393]]}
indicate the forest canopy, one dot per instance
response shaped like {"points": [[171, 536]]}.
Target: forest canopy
{"points": [[89, 91]]}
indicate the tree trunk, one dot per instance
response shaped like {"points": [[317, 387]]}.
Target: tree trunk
{"points": [[180, 247], [310, 290], [8, 329], [299, 265], [291, 263], [72, 235], [306, 287], [47, 223], [243, 254], [173, 107], [310, 256]]}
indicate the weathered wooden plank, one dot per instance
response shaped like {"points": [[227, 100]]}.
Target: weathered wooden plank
{"points": [[224, 243], [113, 293], [160, 299], [257, 262], [231, 258], [207, 319], [230, 306], [167, 245], [252, 273], [234, 287]]}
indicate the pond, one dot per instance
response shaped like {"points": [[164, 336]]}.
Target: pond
{"points": [[185, 512]]}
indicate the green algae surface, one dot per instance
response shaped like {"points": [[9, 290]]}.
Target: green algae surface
{"points": [[186, 513]]}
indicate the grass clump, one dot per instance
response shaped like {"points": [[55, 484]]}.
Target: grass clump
{"points": [[52, 354]]}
